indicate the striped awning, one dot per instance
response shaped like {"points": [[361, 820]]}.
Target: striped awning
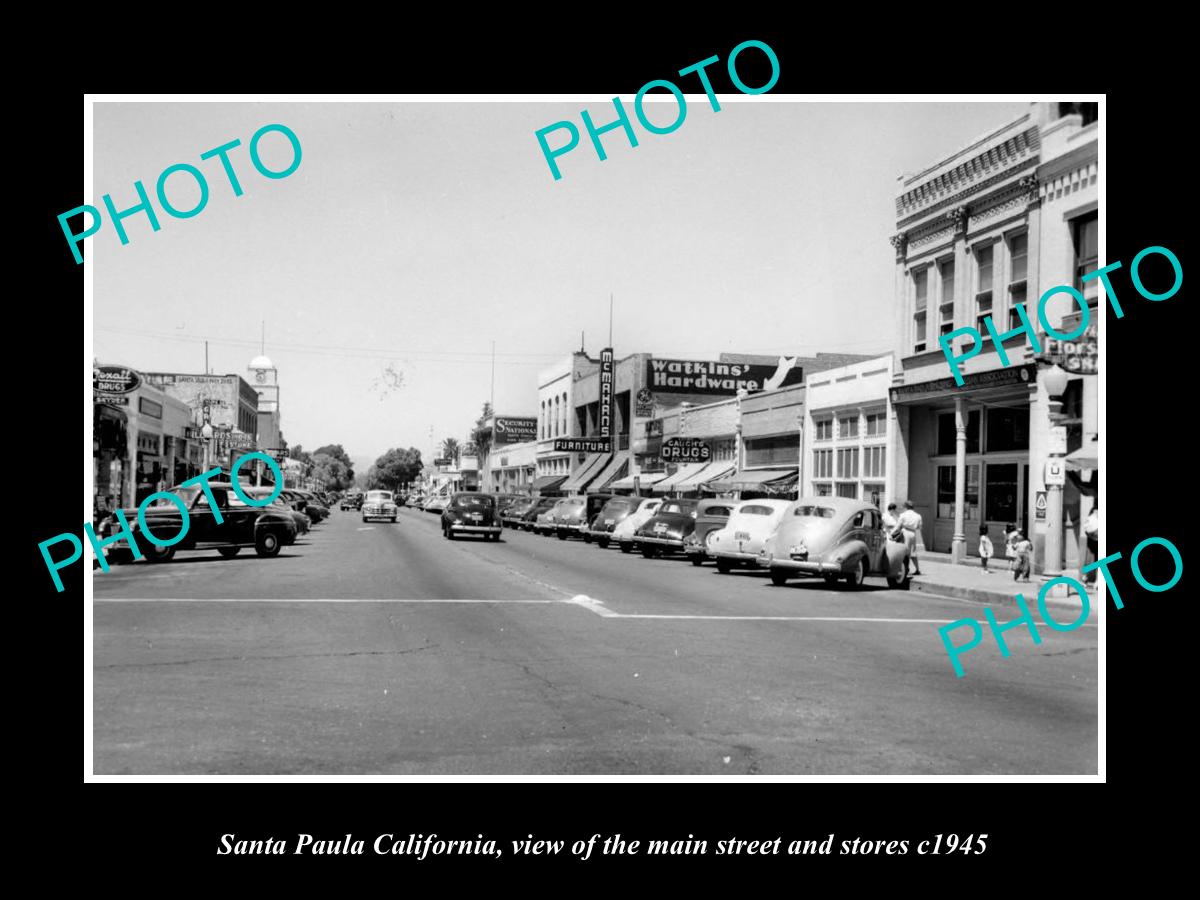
{"points": [[583, 476], [712, 471], [646, 479], [549, 482], [614, 471], [766, 480], [671, 482]]}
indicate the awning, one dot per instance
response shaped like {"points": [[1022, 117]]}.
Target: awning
{"points": [[711, 472], [767, 480], [548, 482], [616, 468], [583, 476], [671, 482], [1086, 457], [646, 478]]}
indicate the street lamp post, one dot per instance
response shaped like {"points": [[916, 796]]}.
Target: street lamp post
{"points": [[1056, 381], [206, 432]]}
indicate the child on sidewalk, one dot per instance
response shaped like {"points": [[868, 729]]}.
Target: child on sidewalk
{"points": [[1024, 553], [985, 548]]}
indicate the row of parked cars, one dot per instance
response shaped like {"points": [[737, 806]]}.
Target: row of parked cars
{"points": [[835, 538], [218, 520]]}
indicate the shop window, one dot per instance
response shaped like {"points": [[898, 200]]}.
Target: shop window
{"points": [[983, 284], [1002, 492], [1007, 429], [874, 462], [782, 450], [876, 424], [823, 490], [920, 301], [847, 463], [873, 494], [946, 298], [945, 493], [848, 427], [1085, 234], [822, 464], [946, 436], [824, 429], [848, 489]]}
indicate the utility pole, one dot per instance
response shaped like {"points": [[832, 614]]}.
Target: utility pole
{"points": [[610, 319], [206, 357]]}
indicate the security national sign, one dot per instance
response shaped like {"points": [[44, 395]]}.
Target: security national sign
{"points": [[685, 450], [514, 430]]}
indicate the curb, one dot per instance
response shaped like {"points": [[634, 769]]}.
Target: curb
{"points": [[990, 597]]}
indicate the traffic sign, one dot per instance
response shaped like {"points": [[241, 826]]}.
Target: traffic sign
{"points": [[1056, 473]]}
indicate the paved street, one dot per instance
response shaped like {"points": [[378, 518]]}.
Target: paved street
{"points": [[534, 655]]}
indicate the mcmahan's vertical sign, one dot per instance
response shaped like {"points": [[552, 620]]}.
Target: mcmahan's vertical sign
{"points": [[606, 387]]}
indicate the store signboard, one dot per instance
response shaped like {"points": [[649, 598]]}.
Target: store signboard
{"points": [[719, 379], [679, 450], [606, 388], [514, 430], [115, 379], [583, 445], [1079, 357]]}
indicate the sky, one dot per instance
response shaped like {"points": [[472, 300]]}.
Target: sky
{"points": [[414, 235]]}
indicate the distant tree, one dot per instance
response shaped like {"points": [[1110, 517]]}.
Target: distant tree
{"points": [[450, 449], [481, 435], [333, 474], [394, 468], [345, 474]]}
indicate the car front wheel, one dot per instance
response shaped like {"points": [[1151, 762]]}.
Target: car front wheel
{"points": [[160, 554], [229, 552], [723, 566], [779, 577], [602, 543], [267, 543]]}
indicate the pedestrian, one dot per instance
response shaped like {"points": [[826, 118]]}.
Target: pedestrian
{"points": [[910, 522], [891, 524], [1024, 551], [1091, 531], [985, 547], [1010, 545]]}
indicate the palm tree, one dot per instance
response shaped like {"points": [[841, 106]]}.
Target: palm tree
{"points": [[450, 449]]}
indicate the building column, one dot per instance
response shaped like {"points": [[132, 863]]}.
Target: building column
{"points": [[958, 543]]}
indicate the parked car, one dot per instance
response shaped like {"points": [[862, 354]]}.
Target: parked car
{"points": [[504, 501], [265, 528], [834, 537], [435, 503], [379, 505], [595, 503], [510, 515], [314, 508], [471, 512], [612, 514], [543, 522], [299, 519], [415, 501], [569, 516], [668, 528], [529, 517], [625, 534], [711, 516], [750, 524]]}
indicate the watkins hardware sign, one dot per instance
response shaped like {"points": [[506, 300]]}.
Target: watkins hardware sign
{"points": [[685, 450], [719, 379]]}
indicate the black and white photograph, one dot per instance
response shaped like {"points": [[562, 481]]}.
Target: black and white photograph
{"points": [[706, 432]]}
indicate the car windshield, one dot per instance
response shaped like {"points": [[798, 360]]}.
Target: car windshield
{"points": [[616, 506], [814, 512], [473, 501], [188, 494], [377, 496], [676, 508]]}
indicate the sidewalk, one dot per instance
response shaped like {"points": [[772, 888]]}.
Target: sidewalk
{"points": [[969, 582]]}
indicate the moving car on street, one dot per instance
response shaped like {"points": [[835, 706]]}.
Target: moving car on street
{"points": [[836, 538], [666, 530], [435, 503], [265, 528], [750, 524], [711, 516], [471, 512], [612, 514], [625, 534], [379, 505], [352, 500]]}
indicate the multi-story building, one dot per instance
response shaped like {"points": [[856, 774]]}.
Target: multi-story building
{"points": [[978, 234]]}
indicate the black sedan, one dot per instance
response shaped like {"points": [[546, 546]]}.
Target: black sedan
{"points": [[668, 529]]}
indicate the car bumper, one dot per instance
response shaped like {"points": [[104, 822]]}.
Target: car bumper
{"points": [[474, 529], [804, 566], [578, 527], [676, 543], [737, 555]]}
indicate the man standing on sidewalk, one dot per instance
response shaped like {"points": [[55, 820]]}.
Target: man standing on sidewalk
{"points": [[910, 521], [1091, 531]]}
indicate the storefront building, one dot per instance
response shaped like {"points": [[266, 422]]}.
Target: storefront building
{"points": [[555, 421], [847, 432], [513, 468], [140, 439], [979, 234]]}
